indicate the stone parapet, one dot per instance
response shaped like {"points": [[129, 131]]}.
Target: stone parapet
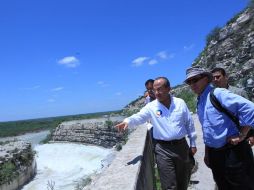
{"points": [[133, 167]]}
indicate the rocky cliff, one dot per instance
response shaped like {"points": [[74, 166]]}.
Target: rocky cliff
{"points": [[17, 164], [232, 47], [99, 132]]}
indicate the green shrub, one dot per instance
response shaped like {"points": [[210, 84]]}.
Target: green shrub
{"points": [[213, 35], [251, 4], [118, 147], [190, 99], [7, 172]]}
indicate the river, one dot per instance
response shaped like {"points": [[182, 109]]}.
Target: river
{"points": [[62, 166]]}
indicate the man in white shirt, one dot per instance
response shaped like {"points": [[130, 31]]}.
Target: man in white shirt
{"points": [[171, 122]]}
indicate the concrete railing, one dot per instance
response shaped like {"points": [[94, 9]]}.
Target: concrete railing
{"points": [[133, 167]]}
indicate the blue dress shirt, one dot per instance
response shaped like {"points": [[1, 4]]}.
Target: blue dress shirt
{"points": [[218, 127]]}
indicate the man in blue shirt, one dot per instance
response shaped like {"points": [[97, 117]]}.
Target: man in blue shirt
{"points": [[227, 152]]}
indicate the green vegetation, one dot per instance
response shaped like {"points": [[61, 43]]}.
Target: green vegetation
{"points": [[48, 137], [7, 172], [13, 128], [128, 113], [213, 35], [251, 4], [190, 98], [134, 101], [51, 185], [201, 54], [157, 179], [85, 181], [235, 17]]}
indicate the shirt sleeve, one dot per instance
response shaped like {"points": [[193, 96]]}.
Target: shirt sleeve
{"points": [[139, 118], [239, 106], [189, 125]]}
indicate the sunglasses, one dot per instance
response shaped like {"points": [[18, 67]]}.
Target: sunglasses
{"points": [[194, 80]]}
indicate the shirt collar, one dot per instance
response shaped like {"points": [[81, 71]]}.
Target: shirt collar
{"points": [[208, 88]]}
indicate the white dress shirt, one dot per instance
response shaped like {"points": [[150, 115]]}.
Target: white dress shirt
{"points": [[168, 124]]}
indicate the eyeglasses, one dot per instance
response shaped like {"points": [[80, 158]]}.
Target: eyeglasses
{"points": [[194, 80]]}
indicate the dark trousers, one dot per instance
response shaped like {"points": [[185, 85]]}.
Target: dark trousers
{"points": [[232, 167], [174, 165]]}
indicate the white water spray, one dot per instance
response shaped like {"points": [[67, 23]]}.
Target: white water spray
{"points": [[63, 164]]}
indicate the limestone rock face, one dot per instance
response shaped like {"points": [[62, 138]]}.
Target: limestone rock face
{"points": [[100, 132], [17, 164], [233, 49]]}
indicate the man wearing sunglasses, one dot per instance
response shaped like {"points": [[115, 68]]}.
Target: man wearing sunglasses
{"points": [[221, 135]]}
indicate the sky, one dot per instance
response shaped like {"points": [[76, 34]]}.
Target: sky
{"points": [[66, 57]]}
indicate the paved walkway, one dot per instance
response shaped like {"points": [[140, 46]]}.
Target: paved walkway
{"points": [[203, 177]]}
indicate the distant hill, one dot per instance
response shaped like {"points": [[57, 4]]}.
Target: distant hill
{"points": [[13, 128]]}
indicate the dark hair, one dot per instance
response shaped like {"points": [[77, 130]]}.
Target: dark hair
{"points": [[167, 83], [219, 69], [149, 81]]}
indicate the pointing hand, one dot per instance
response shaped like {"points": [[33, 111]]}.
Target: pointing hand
{"points": [[121, 126]]}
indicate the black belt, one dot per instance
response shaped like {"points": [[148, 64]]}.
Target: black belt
{"points": [[172, 142], [227, 146]]}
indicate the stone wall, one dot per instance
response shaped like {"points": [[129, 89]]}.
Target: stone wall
{"points": [[100, 132], [133, 167], [17, 164]]}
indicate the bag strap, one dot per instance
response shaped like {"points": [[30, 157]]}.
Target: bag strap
{"points": [[220, 108]]}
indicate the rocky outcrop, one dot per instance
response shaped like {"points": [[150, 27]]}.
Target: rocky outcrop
{"points": [[232, 47], [134, 106], [17, 164], [100, 132]]}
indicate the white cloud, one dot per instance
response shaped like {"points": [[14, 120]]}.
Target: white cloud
{"points": [[165, 55], [162, 55], [102, 84], [152, 62], [119, 93], [139, 61], [51, 100], [69, 61], [190, 47], [31, 88], [57, 89]]}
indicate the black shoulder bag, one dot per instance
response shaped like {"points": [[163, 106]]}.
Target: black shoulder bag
{"points": [[220, 108]]}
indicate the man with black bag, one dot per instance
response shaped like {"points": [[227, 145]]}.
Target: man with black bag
{"points": [[220, 79], [227, 152]]}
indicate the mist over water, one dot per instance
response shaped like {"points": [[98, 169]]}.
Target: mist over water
{"points": [[63, 164]]}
